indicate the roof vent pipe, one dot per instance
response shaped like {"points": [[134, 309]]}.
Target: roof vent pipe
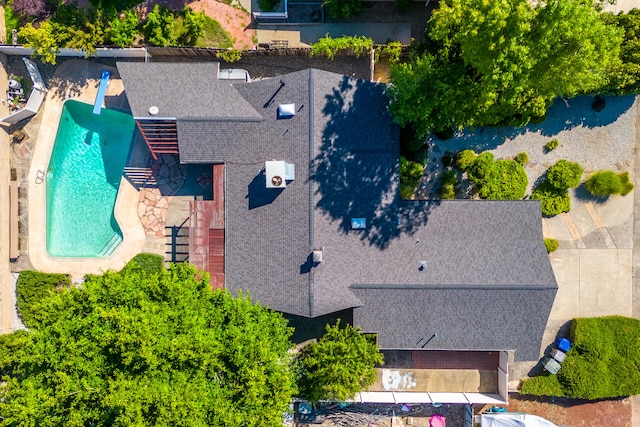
{"points": [[153, 110], [423, 265]]}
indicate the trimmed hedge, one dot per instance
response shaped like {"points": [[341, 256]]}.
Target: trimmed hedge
{"points": [[464, 159], [603, 362], [606, 183], [410, 175], [449, 181], [522, 158], [150, 263], [552, 145], [551, 245], [552, 200], [565, 174], [33, 287]]}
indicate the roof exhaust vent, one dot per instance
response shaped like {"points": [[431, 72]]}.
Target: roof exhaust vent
{"points": [[317, 255], [153, 110], [423, 265]]}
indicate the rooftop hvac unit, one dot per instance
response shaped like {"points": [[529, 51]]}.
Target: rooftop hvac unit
{"points": [[275, 173]]}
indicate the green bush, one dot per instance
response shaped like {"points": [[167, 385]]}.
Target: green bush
{"points": [[552, 200], [604, 184], [522, 158], [329, 46], [552, 145], [230, 55], [564, 175], [32, 288], [542, 386], [410, 175], [150, 263], [448, 180], [551, 245], [496, 180], [481, 166], [464, 159], [392, 51], [627, 186], [602, 363]]}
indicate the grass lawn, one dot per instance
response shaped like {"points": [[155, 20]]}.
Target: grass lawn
{"points": [[214, 35], [602, 363]]}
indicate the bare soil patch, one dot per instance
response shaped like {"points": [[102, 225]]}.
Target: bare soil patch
{"points": [[574, 412]]}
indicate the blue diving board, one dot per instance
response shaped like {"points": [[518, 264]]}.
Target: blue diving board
{"points": [[102, 90]]}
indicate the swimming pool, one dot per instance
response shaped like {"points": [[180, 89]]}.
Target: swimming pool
{"points": [[86, 165]]}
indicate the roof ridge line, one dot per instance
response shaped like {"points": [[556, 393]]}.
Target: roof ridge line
{"points": [[311, 223]]}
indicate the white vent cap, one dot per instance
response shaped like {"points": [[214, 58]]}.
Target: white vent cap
{"points": [[153, 110]]}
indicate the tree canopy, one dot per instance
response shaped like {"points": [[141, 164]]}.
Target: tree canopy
{"points": [[339, 365], [138, 348], [502, 62]]}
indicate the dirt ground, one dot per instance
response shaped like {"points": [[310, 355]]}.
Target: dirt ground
{"points": [[574, 412]]}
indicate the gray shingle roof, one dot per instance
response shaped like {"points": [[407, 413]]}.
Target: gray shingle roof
{"points": [[488, 283], [182, 89]]}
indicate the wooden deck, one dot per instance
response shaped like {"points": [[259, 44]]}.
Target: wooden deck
{"points": [[435, 359], [206, 232]]}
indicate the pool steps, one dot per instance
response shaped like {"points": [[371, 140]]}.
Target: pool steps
{"points": [[111, 245]]}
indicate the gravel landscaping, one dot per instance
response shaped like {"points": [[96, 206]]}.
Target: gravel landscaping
{"points": [[595, 140]]}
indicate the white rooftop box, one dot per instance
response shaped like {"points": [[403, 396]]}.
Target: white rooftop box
{"points": [[274, 171]]}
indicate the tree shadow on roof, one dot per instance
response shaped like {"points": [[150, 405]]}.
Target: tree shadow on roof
{"points": [[355, 169]]}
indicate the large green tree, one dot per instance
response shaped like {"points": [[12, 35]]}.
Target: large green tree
{"points": [[339, 365], [137, 348], [503, 61]]}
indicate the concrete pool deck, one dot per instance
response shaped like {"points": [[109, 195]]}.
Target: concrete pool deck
{"points": [[70, 82]]}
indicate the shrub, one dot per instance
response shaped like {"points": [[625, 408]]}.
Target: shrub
{"points": [[158, 30], [542, 386], [481, 166], [553, 201], [230, 55], [464, 159], [564, 174], [522, 158], [38, 9], [150, 263], [410, 175], [551, 245], [449, 180], [627, 186], [604, 184], [343, 8], [392, 51], [505, 180], [603, 362], [33, 287], [552, 145], [329, 46]]}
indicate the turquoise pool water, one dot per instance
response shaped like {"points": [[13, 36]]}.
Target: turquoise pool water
{"points": [[83, 177]]}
